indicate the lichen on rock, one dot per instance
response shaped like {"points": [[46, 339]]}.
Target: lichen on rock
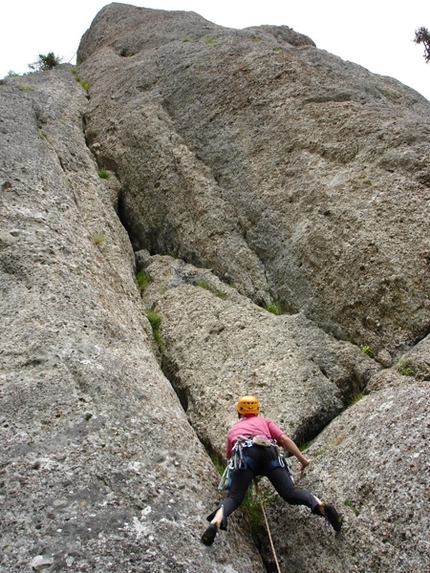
{"points": [[249, 171]]}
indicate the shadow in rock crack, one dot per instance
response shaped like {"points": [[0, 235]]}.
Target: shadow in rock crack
{"points": [[170, 371]]}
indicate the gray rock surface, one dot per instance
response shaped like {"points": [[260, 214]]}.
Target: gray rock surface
{"points": [[245, 167], [100, 469], [217, 345], [294, 174], [373, 459]]}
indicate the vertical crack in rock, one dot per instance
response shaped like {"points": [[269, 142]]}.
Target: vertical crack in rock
{"points": [[95, 447], [284, 171]]}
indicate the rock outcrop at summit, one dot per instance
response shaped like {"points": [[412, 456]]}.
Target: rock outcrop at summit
{"points": [[293, 174], [247, 168]]}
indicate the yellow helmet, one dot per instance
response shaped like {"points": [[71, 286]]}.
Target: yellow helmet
{"points": [[248, 405]]}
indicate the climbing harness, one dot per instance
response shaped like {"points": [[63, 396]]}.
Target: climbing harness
{"points": [[236, 462], [240, 461]]}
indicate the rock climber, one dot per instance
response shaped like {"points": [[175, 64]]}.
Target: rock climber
{"points": [[257, 439]]}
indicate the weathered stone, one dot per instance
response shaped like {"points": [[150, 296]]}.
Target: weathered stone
{"points": [[373, 462], [40, 562], [297, 176], [99, 464], [217, 345], [271, 171]]}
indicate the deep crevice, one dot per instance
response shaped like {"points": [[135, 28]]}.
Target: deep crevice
{"points": [[170, 371]]}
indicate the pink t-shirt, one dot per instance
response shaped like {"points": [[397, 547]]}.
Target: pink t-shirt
{"points": [[250, 426]]}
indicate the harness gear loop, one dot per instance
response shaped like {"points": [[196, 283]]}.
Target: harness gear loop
{"points": [[257, 490], [238, 457], [240, 461], [236, 462]]}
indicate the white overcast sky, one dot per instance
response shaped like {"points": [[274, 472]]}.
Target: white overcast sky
{"points": [[377, 34]]}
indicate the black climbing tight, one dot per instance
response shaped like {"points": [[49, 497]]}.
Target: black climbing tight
{"points": [[262, 459]]}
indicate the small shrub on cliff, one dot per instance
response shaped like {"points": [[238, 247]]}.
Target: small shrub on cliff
{"points": [[45, 62], [103, 174], [220, 294], [155, 322], [405, 368], [143, 280], [154, 319], [354, 398], [422, 36], [99, 238], [274, 308], [83, 83], [366, 350]]}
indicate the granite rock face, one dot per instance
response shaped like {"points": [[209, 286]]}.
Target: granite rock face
{"points": [[374, 461], [246, 168], [100, 469], [217, 344], [371, 460], [292, 174]]}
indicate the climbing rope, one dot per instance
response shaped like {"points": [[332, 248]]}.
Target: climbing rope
{"points": [[257, 490]]}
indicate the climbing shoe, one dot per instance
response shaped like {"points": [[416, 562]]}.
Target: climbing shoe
{"points": [[332, 516], [209, 535]]}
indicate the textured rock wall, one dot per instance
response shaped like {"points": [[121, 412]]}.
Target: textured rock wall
{"points": [[217, 344], [100, 469], [245, 167], [374, 460], [297, 176], [371, 461]]}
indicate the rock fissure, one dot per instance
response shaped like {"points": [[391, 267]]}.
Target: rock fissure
{"points": [[289, 175]]}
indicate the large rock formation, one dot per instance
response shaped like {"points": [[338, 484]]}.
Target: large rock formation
{"points": [[100, 469], [294, 174], [216, 343], [246, 167]]}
